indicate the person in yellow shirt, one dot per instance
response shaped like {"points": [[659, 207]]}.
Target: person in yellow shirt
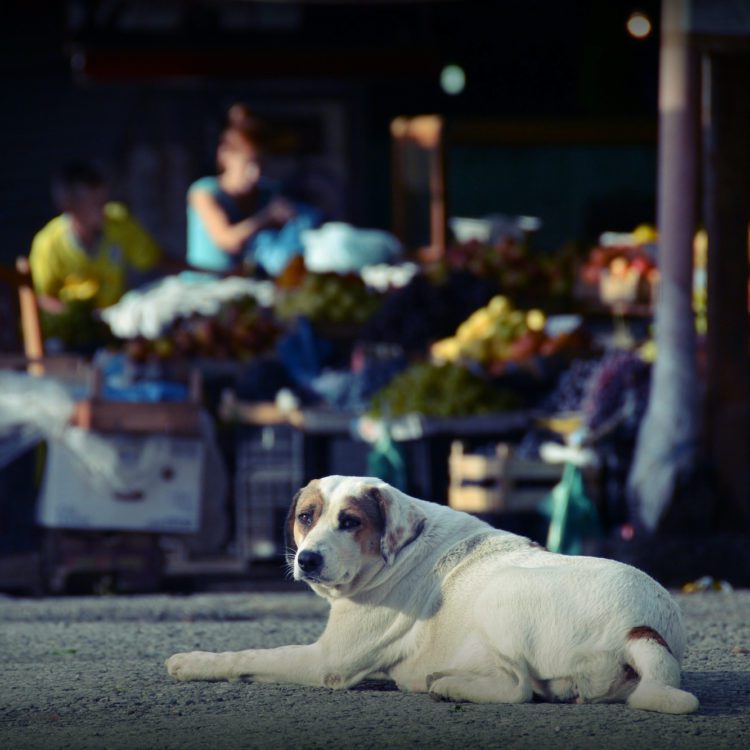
{"points": [[87, 252]]}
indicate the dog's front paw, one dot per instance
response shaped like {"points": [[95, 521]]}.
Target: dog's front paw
{"points": [[433, 677], [196, 665], [438, 687]]}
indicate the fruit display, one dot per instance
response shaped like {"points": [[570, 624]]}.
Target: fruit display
{"points": [[518, 273], [426, 309], [597, 387], [239, 331], [499, 334], [621, 269], [328, 298], [440, 390], [599, 394]]}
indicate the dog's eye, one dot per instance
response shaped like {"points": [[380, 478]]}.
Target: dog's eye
{"points": [[349, 522], [305, 519]]}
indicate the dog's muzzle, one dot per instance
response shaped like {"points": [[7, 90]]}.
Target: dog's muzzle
{"points": [[310, 563]]}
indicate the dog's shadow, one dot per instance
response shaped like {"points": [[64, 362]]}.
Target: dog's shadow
{"points": [[720, 693], [375, 686]]}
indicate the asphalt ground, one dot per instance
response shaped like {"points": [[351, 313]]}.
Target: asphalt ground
{"points": [[88, 672]]}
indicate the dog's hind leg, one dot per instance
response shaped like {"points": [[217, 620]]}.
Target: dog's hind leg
{"points": [[659, 673], [502, 686]]}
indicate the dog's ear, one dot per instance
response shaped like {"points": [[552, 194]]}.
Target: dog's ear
{"points": [[290, 546], [402, 520]]}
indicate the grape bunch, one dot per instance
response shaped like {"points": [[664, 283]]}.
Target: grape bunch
{"points": [[620, 382], [328, 298], [445, 390], [570, 390]]}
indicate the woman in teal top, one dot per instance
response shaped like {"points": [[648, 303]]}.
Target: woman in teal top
{"points": [[204, 248], [227, 214]]}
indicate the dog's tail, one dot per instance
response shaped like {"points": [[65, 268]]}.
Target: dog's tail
{"points": [[649, 655]]}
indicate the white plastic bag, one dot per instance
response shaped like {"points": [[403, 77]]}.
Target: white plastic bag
{"points": [[31, 409], [342, 248]]}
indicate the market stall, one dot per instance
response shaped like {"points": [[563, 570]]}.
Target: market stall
{"points": [[412, 371]]}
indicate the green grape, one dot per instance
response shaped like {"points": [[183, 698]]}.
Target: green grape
{"points": [[445, 390]]}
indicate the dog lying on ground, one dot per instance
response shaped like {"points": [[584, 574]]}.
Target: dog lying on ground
{"points": [[441, 602]]}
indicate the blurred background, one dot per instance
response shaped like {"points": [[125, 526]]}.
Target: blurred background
{"points": [[489, 279], [553, 105]]}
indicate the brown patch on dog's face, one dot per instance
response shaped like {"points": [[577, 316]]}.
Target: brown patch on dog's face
{"points": [[304, 513], [362, 514], [643, 631]]}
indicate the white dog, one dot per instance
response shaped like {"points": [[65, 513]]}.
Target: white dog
{"points": [[441, 602]]}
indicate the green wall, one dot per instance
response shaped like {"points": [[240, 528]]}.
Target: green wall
{"points": [[578, 191]]}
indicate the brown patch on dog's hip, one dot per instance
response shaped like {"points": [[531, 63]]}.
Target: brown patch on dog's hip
{"points": [[647, 633]]}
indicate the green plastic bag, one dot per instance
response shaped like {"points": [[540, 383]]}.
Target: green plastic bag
{"points": [[573, 515], [386, 461]]}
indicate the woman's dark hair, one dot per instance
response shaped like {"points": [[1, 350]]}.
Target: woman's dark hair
{"points": [[243, 130]]}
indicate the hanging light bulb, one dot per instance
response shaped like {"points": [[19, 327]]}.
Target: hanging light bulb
{"points": [[452, 79], [638, 25]]}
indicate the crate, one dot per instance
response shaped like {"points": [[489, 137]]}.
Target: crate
{"points": [[174, 418], [163, 494], [498, 483], [171, 417], [269, 472]]}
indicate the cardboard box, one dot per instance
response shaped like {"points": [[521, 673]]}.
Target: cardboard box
{"points": [[159, 489]]}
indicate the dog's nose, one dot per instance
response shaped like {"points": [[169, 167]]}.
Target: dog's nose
{"points": [[309, 561]]}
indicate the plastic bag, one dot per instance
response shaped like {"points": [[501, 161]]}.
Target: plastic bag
{"points": [[31, 409], [573, 515], [342, 248], [148, 310], [272, 249], [35, 409], [386, 460], [304, 353]]}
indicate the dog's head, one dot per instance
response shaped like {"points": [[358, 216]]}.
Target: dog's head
{"points": [[341, 531]]}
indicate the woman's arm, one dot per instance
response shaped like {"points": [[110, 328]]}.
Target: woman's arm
{"points": [[229, 237]]}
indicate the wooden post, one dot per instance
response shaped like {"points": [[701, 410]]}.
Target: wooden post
{"points": [[33, 341], [667, 444], [726, 121], [438, 190], [423, 134], [399, 131]]}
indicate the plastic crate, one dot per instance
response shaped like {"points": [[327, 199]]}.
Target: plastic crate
{"points": [[269, 471]]}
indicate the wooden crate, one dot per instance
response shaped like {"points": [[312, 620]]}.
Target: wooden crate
{"points": [[170, 417], [103, 415], [174, 418], [498, 483]]}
